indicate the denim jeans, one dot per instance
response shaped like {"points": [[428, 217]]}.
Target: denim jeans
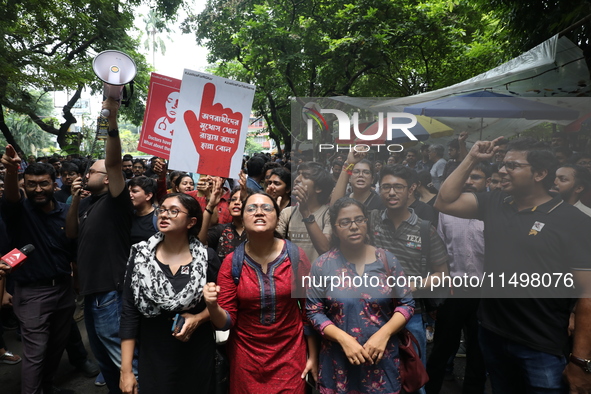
{"points": [[416, 327], [102, 314], [516, 368]]}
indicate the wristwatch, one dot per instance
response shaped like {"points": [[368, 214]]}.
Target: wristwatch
{"points": [[581, 362], [309, 219]]}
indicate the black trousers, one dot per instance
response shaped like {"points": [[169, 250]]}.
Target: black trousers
{"points": [[456, 313], [45, 316]]}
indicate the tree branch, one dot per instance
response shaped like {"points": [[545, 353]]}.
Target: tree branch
{"points": [[7, 133], [82, 47], [56, 46]]}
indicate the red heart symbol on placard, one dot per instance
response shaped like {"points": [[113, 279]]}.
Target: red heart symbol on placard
{"points": [[216, 134]]}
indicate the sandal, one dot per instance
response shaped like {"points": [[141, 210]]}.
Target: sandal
{"points": [[9, 358]]}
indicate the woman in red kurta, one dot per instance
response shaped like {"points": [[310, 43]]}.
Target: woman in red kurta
{"points": [[267, 348]]}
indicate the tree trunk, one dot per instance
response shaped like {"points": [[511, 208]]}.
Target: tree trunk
{"points": [[7, 133], [61, 133]]}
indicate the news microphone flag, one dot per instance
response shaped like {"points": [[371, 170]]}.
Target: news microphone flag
{"points": [[15, 256]]}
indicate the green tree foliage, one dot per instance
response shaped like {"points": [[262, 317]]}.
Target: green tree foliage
{"points": [[251, 147], [527, 23], [25, 131], [320, 48], [50, 46]]}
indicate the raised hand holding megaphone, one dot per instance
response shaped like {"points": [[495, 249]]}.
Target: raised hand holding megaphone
{"points": [[115, 69]]}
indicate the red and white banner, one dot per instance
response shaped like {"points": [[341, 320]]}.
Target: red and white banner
{"points": [[160, 116], [211, 129]]}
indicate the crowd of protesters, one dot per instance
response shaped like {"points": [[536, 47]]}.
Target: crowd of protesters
{"points": [[167, 261]]}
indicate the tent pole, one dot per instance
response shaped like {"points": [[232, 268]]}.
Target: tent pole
{"points": [[481, 126]]}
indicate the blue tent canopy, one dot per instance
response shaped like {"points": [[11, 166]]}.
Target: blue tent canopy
{"points": [[485, 104]]}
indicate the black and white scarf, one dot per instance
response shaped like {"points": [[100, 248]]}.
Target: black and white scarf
{"points": [[152, 291]]}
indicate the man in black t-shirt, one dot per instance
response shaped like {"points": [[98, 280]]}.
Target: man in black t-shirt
{"points": [[531, 236], [102, 224]]}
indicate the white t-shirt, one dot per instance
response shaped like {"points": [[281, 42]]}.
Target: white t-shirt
{"points": [[437, 172], [292, 227], [585, 209]]}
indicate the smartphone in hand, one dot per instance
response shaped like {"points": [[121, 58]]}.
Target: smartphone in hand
{"points": [[177, 324]]}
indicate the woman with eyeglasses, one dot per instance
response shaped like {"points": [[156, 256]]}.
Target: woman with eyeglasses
{"points": [[164, 279], [267, 348], [359, 316], [360, 177]]}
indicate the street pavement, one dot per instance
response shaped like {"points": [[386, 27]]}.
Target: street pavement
{"points": [[68, 378]]}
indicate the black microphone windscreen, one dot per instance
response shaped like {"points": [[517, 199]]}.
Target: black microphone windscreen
{"points": [[27, 249]]}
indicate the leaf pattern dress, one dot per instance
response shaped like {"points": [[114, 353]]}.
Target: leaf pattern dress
{"points": [[359, 305]]}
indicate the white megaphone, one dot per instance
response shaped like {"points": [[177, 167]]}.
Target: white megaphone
{"points": [[115, 69]]}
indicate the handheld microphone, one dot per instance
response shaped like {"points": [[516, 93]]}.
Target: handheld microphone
{"points": [[15, 257]]}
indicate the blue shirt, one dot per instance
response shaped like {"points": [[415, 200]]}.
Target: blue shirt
{"points": [[252, 184]]}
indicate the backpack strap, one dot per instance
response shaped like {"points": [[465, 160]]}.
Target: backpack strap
{"points": [[237, 263], [293, 253], [425, 233]]}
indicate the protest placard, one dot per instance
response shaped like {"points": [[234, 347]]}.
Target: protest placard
{"points": [[211, 130], [160, 116]]}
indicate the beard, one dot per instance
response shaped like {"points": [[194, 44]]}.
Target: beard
{"points": [[40, 199], [566, 194]]}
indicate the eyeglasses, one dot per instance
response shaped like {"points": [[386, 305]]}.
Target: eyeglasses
{"points": [[251, 209], [33, 185], [172, 212], [93, 171], [346, 223], [363, 172], [398, 188], [511, 165]]}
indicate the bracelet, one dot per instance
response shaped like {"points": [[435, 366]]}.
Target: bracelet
{"points": [[349, 169], [113, 133], [209, 210]]}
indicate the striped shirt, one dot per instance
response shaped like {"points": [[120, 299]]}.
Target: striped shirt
{"points": [[405, 242]]}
